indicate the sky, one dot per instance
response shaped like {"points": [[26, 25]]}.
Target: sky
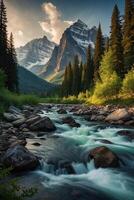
{"points": [[30, 19]]}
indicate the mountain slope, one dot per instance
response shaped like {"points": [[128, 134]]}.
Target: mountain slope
{"points": [[35, 54], [30, 83], [74, 41]]}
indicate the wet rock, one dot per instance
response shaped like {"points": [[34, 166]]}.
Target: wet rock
{"points": [[104, 157], [130, 123], [36, 144], [70, 121], [20, 159], [43, 124], [126, 133], [19, 122], [67, 166], [32, 120], [14, 110], [12, 117], [104, 141], [7, 125], [119, 114], [62, 111]]}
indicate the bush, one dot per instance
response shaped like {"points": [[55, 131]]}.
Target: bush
{"points": [[128, 83], [10, 190]]}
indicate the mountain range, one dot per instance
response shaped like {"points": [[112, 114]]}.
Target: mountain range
{"points": [[48, 60]]}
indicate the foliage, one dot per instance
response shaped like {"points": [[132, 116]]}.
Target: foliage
{"points": [[10, 189], [128, 36], [116, 42], [99, 51], [128, 83]]}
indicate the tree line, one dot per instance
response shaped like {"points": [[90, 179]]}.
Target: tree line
{"points": [[8, 60], [118, 49]]}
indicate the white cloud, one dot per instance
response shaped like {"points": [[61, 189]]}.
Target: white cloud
{"points": [[20, 33], [54, 26]]}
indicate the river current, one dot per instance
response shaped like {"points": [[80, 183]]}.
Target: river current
{"points": [[73, 145]]}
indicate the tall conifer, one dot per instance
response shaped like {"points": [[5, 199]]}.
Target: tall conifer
{"points": [[128, 34], [116, 42], [99, 51], [75, 83]]}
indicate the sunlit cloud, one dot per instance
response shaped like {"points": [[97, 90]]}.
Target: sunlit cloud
{"points": [[53, 25]]}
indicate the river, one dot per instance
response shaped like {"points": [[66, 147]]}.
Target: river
{"points": [[73, 145]]}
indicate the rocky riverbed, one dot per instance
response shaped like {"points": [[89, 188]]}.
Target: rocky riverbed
{"points": [[51, 138]]}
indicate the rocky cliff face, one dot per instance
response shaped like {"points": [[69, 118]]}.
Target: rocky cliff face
{"points": [[35, 54], [74, 41]]}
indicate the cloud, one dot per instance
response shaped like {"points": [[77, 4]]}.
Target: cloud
{"points": [[54, 26]]}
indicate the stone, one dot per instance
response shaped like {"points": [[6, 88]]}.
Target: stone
{"points": [[119, 114], [20, 159], [126, 133], [36, 144], [62, 111], [104, 157], [70, 121], [32, 120], [43, 124], [19, 122], [14, 110], [12, 117], [67, 166]]}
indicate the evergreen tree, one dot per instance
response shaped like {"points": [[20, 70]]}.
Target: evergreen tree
{"points": [[87, 76], [116, 42], [69, 78], [12, 69], [64, 85], [99, 51], [128, 36], [75, 82], [3, 38], [80, 76]]}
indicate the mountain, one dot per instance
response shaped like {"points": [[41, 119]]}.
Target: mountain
{"points": [[30, 83], [35, 54], [74, 41]]}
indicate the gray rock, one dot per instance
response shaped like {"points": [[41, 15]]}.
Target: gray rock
{"points": [[62, 111], [70, 121], [20, 159], [32, 120], [14, 110], [12, 117], [43, 124], [19, 122]]}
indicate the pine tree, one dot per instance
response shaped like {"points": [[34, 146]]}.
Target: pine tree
{"points": [[87, 77], [12, 69], [3, 38], [80, 76], [64, 85], [128, 36], [69, 78], [116, 42], [75, 82], [99, 51]]}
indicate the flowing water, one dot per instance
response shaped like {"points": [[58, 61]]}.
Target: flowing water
{"points": [[73, 145]]}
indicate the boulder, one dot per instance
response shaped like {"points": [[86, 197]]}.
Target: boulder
{"points": [[20, 159], [70, 121], [119, 114], [12, 117], [126, 133], [67, 166], [19, 122], [104, 157], [43, 124], [36, 144], [14, 110], [62, 111], [33, 119]]}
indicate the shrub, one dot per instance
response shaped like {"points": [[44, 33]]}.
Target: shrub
{"points": [[10, 190], [128, 83]]}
